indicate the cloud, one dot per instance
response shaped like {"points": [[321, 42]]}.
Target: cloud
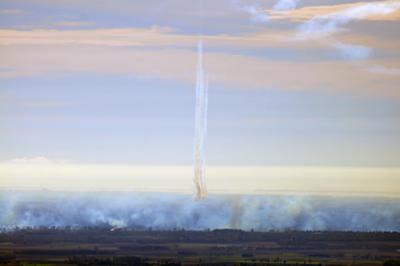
{"points": [[260, 15], [133, 52], [385, 70], [217, 16], [106, 37], [11, 12], [74, 24], [321, 26], [257, 14], [335, 17], [153, 37], [30, 160], [307, 13], [231, 70], [353, 52], [284, 5]]}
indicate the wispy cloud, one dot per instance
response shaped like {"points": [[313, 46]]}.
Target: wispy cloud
{"points": [[353, 52], [73, 24], [256, 13], [307, 13], [321, 26], [284, 5], [229, 70], [30, 160], [106, 37], [103, 51], [385, 70], [333, 21], [260, 15], [11, 12], [37, 160]]}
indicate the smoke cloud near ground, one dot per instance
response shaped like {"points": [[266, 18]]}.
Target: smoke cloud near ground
{"points": [[169, 211]]}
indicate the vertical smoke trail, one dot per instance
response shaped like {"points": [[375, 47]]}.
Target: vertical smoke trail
{"points": [[200, 127]]}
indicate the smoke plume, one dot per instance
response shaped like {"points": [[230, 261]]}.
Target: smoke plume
{"points": [[200, 127]]}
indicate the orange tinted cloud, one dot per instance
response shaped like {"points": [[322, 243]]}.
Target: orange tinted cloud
{"points": [[127, 52], [309, 12], [225, 69]]}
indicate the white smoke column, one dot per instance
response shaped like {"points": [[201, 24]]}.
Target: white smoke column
{"points": [[200, 127]]}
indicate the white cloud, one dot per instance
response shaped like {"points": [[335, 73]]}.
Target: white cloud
{"points": [[38, 160], [257, 14], [325, 25], [74, 24], [353, 52], [30, 160], [11, 12], [284, 5], [385, 70], [321, 26]]}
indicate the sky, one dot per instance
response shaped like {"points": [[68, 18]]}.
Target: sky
{"points": [[96, 87]]}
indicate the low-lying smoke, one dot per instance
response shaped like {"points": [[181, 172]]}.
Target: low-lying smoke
{"points": [[169, 211]]}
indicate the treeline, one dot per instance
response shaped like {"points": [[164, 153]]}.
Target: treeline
{"points": [[119, 261], [106, 234]]}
